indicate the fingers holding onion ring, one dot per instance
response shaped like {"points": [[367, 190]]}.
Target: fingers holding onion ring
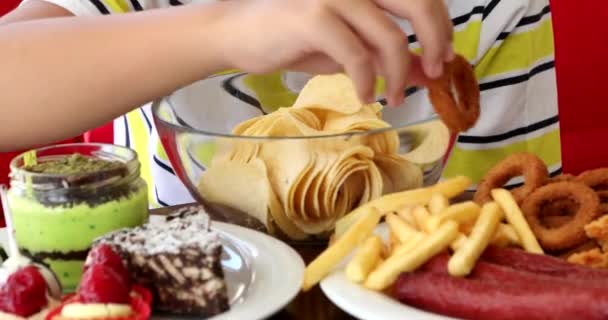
{"points": [[459, 110], [528, 165], [571, 233]]}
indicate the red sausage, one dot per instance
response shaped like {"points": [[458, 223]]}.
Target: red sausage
{"points": [[536, 263], [476, 299], [486, 271]]}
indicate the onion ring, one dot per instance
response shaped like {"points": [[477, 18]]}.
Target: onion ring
{"points": [[557, 213], [572, 233], [597, 179], [529, 165], [458, 110], [586, 246], [554, 221], [562, 177]]}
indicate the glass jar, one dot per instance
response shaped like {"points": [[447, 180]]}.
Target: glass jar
{"points": [[58, 213]]}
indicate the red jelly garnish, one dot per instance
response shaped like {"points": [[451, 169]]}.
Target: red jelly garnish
{"points": [[24, 292], [101, 284], [104, 255]]}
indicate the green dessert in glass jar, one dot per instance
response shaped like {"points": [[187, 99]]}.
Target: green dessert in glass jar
{"points": [[71, 196]]}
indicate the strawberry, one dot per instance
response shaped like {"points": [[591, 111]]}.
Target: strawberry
{"points": [[101, 284], [104, 255], [24, 292]]}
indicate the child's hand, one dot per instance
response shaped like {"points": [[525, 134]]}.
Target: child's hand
{"points": [[323, 36]]}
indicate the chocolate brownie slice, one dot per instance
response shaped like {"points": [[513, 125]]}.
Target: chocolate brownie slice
{"points": [[179, 259]]}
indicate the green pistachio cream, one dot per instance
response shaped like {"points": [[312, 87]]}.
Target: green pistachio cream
{"points": [[67, 202]]}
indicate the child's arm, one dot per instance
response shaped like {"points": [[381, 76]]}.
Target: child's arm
{"points": [[65, 75]]}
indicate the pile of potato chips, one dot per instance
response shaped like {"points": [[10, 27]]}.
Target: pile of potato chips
{"points": [[302, 184]]}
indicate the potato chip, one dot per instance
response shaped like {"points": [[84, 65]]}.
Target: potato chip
{"points": [[281, 219], [431, 140], [397, 173], [306, 117], [303, 198], [339, 122], [288, 160], [337, 188], [313, 197], [329, 92], [248, 185]]}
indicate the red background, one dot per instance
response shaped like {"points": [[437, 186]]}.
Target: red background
{"points": [[581, 65], [7, 5]]}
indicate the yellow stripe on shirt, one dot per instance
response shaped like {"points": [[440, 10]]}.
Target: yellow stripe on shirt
{"points": [[477, 162], [139, 135], [466, 41], [518, 51], [117, 6]]}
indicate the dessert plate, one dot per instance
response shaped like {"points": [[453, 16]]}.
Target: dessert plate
{"points": [[263, 274], [367, 304]]}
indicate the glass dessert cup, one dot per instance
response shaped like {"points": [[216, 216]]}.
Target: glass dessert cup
{"points": [[58, 213], [195, 125]]}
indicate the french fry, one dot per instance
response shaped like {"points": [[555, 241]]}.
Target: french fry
{"points": [[332, 239], [459, 242], [407, 261], [365, 259], [461, 213], [406, 214], [466, 227], [399, 228], [393, 241], [505, 235], [516, 219], [421, 215], [438, 203], [342, 246], [449, 188], [410, 244], [463, 260]]}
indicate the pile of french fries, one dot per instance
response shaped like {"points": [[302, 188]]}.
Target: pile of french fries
{"points": [[421, 223]]}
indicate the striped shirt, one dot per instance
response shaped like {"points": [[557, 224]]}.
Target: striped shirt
{"points": [[509, 43]]}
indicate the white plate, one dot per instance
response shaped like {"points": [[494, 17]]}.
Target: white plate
{"points": [[263, 274], [367, 304]]}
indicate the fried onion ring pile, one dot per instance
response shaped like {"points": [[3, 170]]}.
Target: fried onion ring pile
{"points": [[572, 232], [567, 213], [459, 110], [532, 168]]}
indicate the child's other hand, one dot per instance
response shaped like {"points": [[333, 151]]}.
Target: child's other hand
{"points": [[325, 36]]}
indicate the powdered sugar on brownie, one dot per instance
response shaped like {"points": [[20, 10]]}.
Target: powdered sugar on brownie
{"points": [[185, 228]]}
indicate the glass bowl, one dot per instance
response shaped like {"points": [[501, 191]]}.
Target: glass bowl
{"points": [[195, 125]]}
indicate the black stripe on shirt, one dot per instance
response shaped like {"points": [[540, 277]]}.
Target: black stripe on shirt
{"points": [[163, 165], [525, 21], [147, 120], [235, 92], [100, 6], [510, 134], [456, 21], [553, 173], [162, 203], [466, 17], [127, 135], [502, 36], [517, 79], [488, 9], [533, 18], [136, 5]]}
